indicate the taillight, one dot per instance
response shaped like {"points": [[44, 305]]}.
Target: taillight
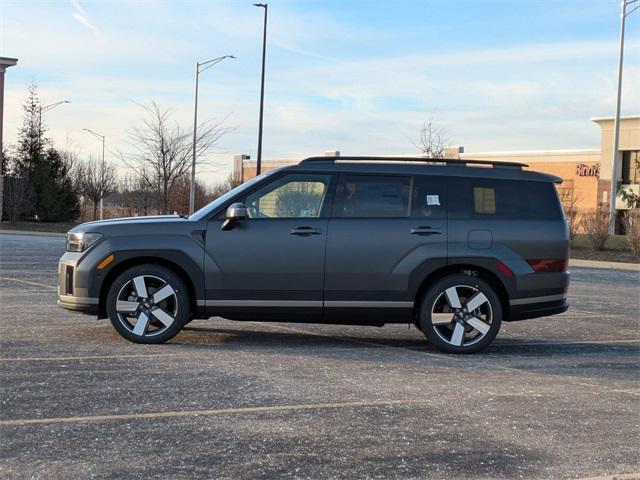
{"points": [[548, 265], [504, 269]]}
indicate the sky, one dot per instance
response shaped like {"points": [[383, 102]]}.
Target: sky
{"points": [[351, 75]]}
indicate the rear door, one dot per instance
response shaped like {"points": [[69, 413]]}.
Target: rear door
{"points": [[518, 222], [382, 228]]}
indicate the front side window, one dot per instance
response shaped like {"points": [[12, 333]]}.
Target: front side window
{"points": [[291, 196], [373, 196]]}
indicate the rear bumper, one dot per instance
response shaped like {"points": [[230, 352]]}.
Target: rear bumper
{"points": [[539, 295], [551, 305]]}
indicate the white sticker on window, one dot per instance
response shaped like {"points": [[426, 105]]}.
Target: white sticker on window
{"points": [[433, 199]]}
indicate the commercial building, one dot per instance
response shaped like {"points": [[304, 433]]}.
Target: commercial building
{"points": [[586, 173]]}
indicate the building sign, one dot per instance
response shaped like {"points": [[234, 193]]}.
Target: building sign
{"points": [[584, 170]]}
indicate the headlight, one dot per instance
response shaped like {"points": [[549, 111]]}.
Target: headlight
{"points": [[79, 242]]}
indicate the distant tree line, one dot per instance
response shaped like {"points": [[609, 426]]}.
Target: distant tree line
{"points": [[37, 176], [42, 182]]}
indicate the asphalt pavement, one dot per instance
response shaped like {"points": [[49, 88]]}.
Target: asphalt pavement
{"points": [[551, 398]]}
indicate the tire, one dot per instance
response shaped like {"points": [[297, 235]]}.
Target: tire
{"points": [[148, 304], [460, 314]]}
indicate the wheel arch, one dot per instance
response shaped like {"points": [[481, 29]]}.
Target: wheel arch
{"points": [[466, 268], [134, 261]]}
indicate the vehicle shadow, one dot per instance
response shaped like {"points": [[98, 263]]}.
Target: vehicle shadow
{"points": [[207, 336]]}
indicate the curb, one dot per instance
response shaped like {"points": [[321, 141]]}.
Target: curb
{"points": [[575, 262], [32, 233]]}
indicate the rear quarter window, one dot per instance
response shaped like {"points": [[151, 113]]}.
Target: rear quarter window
{"points": [[471, 198]]}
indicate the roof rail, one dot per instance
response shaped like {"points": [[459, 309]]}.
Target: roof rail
{"points": [[447, 161]]}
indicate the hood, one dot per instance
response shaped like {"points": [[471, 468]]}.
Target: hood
{"points": [[114, 222]]}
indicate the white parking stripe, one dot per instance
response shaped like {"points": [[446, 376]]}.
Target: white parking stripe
{"points": [[196, 413], [88, 357], [27, 282]]}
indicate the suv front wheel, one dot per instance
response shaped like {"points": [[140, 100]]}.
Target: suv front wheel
{"points": [[148, 304], [460, 314]]}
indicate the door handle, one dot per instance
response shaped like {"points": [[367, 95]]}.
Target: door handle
{"points": [[426, 230], [305, 231]]}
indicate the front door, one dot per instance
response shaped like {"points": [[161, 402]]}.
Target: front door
{"points": [[271, 265]]}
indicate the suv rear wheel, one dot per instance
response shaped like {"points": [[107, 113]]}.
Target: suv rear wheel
{"points": [[460, 314], [148, 304]]}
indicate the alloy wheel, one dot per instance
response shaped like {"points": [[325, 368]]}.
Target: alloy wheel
{"points": [[147, 305], [462, 315]]}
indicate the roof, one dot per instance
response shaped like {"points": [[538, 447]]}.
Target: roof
{"points": [[422, 165]]}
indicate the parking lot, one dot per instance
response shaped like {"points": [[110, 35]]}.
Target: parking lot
{"points": [[552, 398]]}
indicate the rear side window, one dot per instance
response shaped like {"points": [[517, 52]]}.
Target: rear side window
{"points": [[429, 197], [375, 196], [472, 198]]}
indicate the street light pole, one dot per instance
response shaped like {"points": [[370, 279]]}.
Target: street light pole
{"points": [[616, 123], [102, 137], [264, 54], [200, 67], [45, 109]]}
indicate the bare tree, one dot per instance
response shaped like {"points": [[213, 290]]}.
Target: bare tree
{"points": [[223, 187], [570, 200], [137, 196], [18, 197], [95, 180], [433, 140], [632, 226], [595, 224], [180, 200], [163, 150]]}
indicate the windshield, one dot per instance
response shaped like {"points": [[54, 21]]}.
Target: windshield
{"points": [[204, 211]]}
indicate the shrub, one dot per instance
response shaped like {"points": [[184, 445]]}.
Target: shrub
{"points": [[595, 225], [632, 226]]}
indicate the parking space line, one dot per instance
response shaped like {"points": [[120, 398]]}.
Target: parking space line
{"points": [[586, 342], [217, 411], [88, 357], [559, 343], [27, 282]]}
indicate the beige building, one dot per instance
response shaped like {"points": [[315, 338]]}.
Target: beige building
{"points": [[586, 173]]}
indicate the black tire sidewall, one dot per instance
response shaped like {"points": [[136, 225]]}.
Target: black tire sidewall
{"points": [[440, 286], [168, 276]]}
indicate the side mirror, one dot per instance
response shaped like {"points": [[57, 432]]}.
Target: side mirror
{"points": [[235, 212]]}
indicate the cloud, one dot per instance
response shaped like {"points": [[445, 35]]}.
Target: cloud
{"points": [[80, 15], [327, 87]]}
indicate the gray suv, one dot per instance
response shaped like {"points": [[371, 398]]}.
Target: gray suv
{"points": [[453, 246]]}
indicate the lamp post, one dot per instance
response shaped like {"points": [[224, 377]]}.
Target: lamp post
{"points": [[45, 109], [101, 137], [616, 123], [200, 67], [264, 54]]}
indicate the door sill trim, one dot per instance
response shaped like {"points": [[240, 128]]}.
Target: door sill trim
{"points": [[304, 303]]}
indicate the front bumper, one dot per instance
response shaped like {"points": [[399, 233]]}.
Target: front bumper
{"points": [[73, 291], [78, 304]]}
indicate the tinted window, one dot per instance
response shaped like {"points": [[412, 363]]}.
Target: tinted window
{"points": [[429, 197], [502, 199], [375, 196], [292, 196]]}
